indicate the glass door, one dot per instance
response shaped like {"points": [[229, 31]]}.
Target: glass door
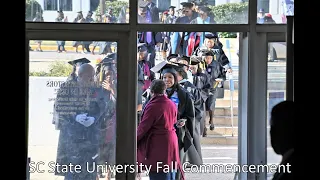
{"points": [[276, 86], [75, 128]]}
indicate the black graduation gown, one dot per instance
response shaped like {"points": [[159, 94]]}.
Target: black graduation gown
{"points": [[185, 133], [77, 144], [140, 84], [220, 56], [214, 71], [194, 152], [201, 81], [107, 106]]}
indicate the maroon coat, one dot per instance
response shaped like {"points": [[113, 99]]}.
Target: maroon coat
{"points": [[156, 137]]}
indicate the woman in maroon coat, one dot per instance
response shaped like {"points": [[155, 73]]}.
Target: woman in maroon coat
{"points": [[156, 137]]}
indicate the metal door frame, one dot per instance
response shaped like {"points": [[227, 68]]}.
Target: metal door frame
{"points": [[126, 85]]}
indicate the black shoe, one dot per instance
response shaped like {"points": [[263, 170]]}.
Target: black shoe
{"points": [[211, 127]]}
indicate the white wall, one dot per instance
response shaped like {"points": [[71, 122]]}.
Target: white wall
{"points": [[41, 129]]}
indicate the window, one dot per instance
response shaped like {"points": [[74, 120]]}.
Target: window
{"points": [[52, 5], [65, 5]]}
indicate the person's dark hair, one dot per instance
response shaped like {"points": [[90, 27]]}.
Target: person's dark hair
{"points": [[182, 73], [157, 86], [282, 127], [175, 86], [282, 114]]}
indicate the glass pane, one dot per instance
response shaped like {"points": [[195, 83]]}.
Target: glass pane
{"points": [[216, 146], [204, 12], [274, 11], [72, 108], [92, 11], [276, 89]]}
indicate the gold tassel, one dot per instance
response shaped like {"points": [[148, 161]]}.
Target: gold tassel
{"points": [[216, 84], [100, 79]]}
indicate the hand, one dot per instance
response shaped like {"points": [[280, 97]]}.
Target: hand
{"points": [[80, 118], [88, 122], [180, 124], [107, 85], [229, 70], [148, 91]]}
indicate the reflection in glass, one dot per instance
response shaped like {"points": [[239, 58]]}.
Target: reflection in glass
{"points": [[84, 11], [222, 129], [274, 11], [276, 89], [204, 12], [219, 12], [72, 110]]}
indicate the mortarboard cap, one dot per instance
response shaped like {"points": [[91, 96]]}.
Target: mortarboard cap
{"points": [[107, 60], [79, 12], [211, 35], [79, 61], [186, 4], [181, 64], [164, 67], [186, 58], [194, 60], [60, 11], [171, 7], [207, 52], [171, 56], [204, 9], [142, 47], [261, 10], [104, 66]]}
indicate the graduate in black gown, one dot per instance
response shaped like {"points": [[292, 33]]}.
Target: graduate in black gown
{"points": [[184, 102], [78, 112], [76, 64], [194, 154], [106, 78], [201, 81], [212, 43], [214, 71]]}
